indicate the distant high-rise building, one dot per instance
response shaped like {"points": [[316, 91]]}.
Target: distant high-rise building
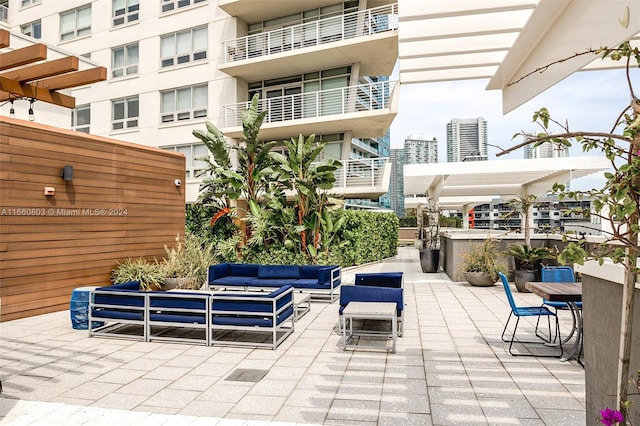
{"points": [[420, 148], [546, 150], [396, 183], [467, 139]]}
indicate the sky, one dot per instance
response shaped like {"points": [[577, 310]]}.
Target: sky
{"points": [[588, 100]]}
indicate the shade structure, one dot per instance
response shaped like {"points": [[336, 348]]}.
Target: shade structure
{"points": [[505, 40], [35, 71], [467, 183]]}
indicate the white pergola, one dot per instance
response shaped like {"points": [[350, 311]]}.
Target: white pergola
{"points": [[504, 40], [464, 185]]}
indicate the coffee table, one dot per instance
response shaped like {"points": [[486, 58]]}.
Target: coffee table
{"points": [[386, 311]]}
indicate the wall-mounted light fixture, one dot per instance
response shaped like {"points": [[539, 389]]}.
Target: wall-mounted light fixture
{"points": [[67, 173], [12, 111]]}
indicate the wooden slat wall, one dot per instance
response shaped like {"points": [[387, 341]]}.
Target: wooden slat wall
{"points": [[122, 202]]}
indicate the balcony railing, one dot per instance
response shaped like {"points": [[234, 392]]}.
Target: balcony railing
{"points": [[315, 33], [4, 13], [362, 172], [363, 97]]}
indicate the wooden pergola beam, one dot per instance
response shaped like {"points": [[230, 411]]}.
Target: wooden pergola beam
{"points": [[44, 70], [74, 79], [26, 55], [13, 89], [4, 38]]}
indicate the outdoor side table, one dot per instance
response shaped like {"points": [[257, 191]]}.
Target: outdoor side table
{"points": [[386, 311], [79, 309]]}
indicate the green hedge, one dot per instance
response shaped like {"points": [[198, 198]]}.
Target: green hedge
{"points": [[366, 237]]}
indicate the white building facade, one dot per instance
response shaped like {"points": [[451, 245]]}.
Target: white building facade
{"points": [[319, 66], [466, 139]]}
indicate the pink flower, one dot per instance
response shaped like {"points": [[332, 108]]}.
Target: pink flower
{"points": [[611, 417]]}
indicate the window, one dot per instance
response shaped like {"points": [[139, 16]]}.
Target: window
{"points": [[125, 11], [124, 60], [169, 5], [184, 103], [183, 47], [124, 113], [81, 118], [191, 153], [75, 23], [32, 29], [25, 3]]}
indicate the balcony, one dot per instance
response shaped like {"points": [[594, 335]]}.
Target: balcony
{"points": [[367, 37], [363, 178], [367, 110], [4, 13]]}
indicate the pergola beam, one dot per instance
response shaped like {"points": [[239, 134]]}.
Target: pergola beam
{"points": [[74, 79], [47, 69], [26, 55], [4, 38], [14, 89]]}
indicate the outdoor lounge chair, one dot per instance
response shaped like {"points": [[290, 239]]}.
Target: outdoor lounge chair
{"points": [[528, 311]]}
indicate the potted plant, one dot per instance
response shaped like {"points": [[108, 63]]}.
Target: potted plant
{"points": [[525, 258], [480, 265], [185, 265], [149, 274], [429, 235]]}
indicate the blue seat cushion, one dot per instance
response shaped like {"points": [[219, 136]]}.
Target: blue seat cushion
{"points": [[279, 271], [129, 285], [230, 280], [270, 282], [117, 314], [310, 283]]}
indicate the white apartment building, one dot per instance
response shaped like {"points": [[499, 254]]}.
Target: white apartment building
{"points": [[466, 139], [319, 66]]}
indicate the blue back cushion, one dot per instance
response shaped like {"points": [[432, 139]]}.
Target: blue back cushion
{"points": [[279, 271], [218, 271], [309, 271], [352, 293], [380, 279], [243, 269]]}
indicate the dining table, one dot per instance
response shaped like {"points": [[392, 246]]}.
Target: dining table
{"points": [[571, 294]]}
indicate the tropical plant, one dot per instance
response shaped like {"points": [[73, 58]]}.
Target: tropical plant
{"points": [[299, 170], [189, 259], [526, 256], [429, 224], [483, 258], [522, 206], [150, 275], [617, 202], [249, 180]]}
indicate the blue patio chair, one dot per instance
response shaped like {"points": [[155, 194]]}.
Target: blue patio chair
{"points": [[560, 274], [528, 311]]}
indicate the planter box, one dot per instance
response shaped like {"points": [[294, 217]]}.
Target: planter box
{"points": [[602, 304]]}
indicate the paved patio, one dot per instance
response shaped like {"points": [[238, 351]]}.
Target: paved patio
{"points": [[451, 368]]}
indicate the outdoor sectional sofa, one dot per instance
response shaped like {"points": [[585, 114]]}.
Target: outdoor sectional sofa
{"points": [[320, 281], [262, 319]]}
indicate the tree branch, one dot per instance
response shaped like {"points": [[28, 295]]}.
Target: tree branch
{"points": [[568, 135]]}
